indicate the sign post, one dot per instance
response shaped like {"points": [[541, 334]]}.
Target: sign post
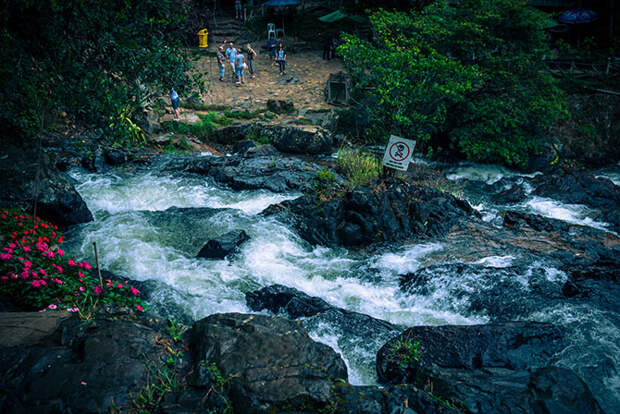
{"points": [[398, 153]]}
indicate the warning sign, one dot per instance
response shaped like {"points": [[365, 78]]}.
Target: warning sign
{"points": [[398, 153]]}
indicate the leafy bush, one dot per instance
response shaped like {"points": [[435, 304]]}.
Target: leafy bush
{"points": [[201, 129], [95, 60], [405, 351], [468, 77], [35, 273], [359, 167], [325, 186]]}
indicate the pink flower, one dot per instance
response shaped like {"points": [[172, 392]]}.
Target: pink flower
{"points": [[21, 259], [82, 289], [52, 306], [4, 278], [12, 245], [71, 262], [59, 281], [134, 291], [5, 256], [25, 275], [43, 282], [13, 276], [98, 290], [60, 252], [42, 310], [43, 272], [72, 309], [119, 286], [140, 308], [35, 283], [87, 266], [83, 383], [27, 263], [26, 248], [59, 269]]}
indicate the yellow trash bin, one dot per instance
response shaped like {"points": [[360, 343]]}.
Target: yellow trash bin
{"points": [[202, 38]]}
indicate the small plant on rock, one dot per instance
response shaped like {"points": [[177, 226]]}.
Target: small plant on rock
{"points": [[405, 351]]}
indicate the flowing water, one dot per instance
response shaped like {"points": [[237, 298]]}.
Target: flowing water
{"points": [[151, 226]]}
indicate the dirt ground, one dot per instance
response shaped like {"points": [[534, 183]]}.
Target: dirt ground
{"points": [[308, 68]]}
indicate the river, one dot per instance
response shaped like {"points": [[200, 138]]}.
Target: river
{"points": [[151, 226]]}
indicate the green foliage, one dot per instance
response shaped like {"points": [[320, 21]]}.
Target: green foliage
{"points": [[359, 167], [160, 381], [175, 330], [257, 138], [201, 129], [405, 351], [325, 186], [467, 76], [101, 62]]}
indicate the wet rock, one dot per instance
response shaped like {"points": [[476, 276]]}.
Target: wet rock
{"points": [[279, 106], [273, 362], [583, 188], [244, 146], [28, 328], [512, 195], [266, 150], [92, 368], [57, 200], [249, 172], [487, 368], [223, 245], [117, 157], [296, 304], [300, 139], [384, 211]]}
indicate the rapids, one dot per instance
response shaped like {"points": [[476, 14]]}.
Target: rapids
{"points": [[151, 226]]}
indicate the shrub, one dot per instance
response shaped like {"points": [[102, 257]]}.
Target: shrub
{"points": [[36, 274], [405, 351], [359, 167]]}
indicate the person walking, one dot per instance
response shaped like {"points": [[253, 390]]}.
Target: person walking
{"points": [[282, 59], [174, 98], [251, 55], [231, 54], [221, 62], [240, 65]]}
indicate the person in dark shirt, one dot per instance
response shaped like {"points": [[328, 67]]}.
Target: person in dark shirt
{"points": [[272, 45], [251, 55]]}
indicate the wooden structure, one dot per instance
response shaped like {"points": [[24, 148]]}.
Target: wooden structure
{"points": [[339, 88]]}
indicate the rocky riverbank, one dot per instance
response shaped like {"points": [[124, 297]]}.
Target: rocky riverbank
{"points": [[506, 270]]}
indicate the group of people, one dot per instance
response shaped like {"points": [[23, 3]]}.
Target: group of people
{"points": [[239, 60]]}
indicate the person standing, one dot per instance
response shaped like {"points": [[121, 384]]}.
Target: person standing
{"points": [[221, 62], [251, 55], [231, 54], [174, 97], [282, 59], [327, 46], [239, 64], [272, 45], [238, 10]]}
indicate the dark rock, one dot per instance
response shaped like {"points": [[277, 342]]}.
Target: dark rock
{"points": [[418, 401], [273, 362], [92, 368], [512, 345], [583, 188], [224, 245], [280, 106], [116, 157], [93, 162], [488, 368], [263, 151], [248, 172], [57, 200], [300, 139], [28, 328], [241, 147], [514, 194], [385, 211]]}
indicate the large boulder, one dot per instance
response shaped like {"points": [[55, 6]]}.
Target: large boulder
{"points": [[224, 245], [89, 367], [57, 199], [271, 363], [279, 106], [503, 368], [385, 211], [300, 139]]}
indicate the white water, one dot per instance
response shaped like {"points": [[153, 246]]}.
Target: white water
{"points": [[137, 238]]}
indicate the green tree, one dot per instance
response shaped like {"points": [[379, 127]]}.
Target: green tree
{"points": [[100, 61], [469, 77]]}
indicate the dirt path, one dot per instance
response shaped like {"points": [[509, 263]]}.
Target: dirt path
{"points": [[304, 82]]}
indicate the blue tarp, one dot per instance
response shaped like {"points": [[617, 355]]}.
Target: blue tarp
{"points": [[276, 3]]}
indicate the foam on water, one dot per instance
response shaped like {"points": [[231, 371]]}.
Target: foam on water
{"points": [[114, 193], [486, 173], [572, 213]]}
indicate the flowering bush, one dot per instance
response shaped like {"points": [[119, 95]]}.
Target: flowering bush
{"points": [[35, 272]]}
